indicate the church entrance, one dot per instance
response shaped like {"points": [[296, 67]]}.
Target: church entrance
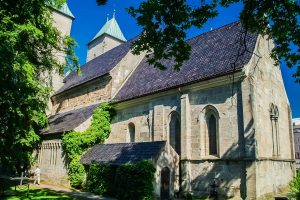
{"points": [[165, 183]]}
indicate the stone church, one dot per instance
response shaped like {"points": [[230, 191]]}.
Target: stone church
{"points": [[224, 117]]}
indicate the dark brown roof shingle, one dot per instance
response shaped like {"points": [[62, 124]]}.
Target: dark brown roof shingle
{"points": [[68, 121], [212, 55], [121, 153]]}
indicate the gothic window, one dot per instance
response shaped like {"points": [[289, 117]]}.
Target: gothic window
{"points": [[131, 129], [274, 114], [174, 132], [212, 124], [212, 135]]}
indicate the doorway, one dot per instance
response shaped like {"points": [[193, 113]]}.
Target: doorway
{"points": [[165, 183]]}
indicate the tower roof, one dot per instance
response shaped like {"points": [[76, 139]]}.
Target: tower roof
{"points": [[111, 28], [66, 10]]}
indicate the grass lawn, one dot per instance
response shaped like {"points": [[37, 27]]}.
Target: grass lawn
{"points": [[35, 194]]}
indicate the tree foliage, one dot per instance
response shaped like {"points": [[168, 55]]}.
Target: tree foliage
{"points": [[165, 23], [295, 187], [76, 143], [100, 179], [27, 43], [135, 181]]}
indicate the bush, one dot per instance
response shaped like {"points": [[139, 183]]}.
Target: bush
{"points": [[135, 181], [295, 187], [76, 173], [100, 179], [129, 181]]}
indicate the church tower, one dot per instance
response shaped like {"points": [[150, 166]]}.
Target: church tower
{"points": [[63, 19], [109, 36]]}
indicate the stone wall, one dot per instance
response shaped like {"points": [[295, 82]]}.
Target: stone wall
{"points": [[167, 158], [265, 88], [52, 161], [273, 176], [151, 119], [122, 71], [94, 91], [270, 137], [101, 45]]}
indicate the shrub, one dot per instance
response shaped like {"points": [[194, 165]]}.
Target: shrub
{"points": [[76, 173], [135, 181], [100, 179], [295, 187]]}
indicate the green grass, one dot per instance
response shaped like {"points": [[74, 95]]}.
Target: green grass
{"points": [[35, 194]]}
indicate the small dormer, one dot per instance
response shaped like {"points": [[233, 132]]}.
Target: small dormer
{"points": [[109, 36]]}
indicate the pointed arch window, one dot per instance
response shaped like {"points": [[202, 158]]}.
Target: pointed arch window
{"points": [[212, 133], [175, 132], [131, 129]]}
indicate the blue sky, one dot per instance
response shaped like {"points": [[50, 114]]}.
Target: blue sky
{"points": [[90, 18]]}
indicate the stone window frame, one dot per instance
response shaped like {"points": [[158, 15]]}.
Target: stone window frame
{"points": [[207, 111], [177, 115]]}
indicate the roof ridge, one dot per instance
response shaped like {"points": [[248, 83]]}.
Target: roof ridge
{"points": [[214, 30]]}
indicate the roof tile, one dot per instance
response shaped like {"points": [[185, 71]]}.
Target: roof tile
{"points": [[121, 153], [212, 54]]}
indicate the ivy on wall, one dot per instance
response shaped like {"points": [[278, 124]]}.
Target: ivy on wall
{"points": [[76, 143]]}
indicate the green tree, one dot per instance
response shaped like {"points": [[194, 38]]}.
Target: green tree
{"points": [[27, 43], [295, 187], [165, 22]]}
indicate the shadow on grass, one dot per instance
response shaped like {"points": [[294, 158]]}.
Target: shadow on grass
{"points": [[35, 194]]}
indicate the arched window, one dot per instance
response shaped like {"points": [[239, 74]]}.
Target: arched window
{"points": [[174, 132], [212, 135], [212, 124], [131, 129]]}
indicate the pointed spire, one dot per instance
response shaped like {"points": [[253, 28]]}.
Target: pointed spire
{"points": [[112, 29], [114, 13]]}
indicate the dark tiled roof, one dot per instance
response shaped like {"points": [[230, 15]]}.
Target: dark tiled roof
{"points": [[117, 154], [212, 55], [68, 121], [97, 67]]}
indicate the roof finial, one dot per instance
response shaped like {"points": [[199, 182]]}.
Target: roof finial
{"points": [[107, 15], [114, 13]]}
